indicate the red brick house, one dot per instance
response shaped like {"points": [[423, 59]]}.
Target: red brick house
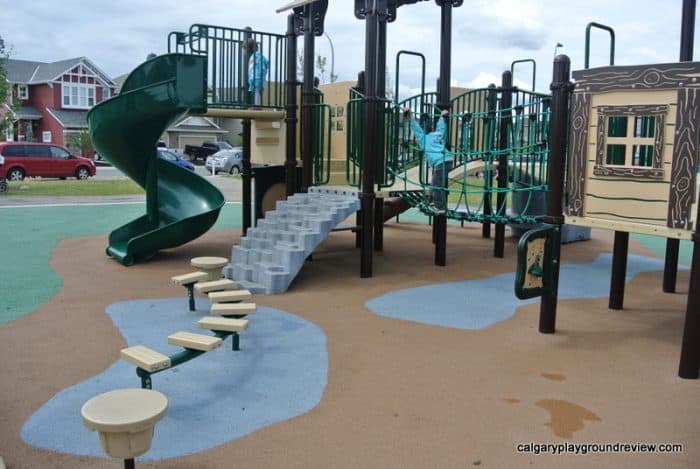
{"points": [[54, 98]]}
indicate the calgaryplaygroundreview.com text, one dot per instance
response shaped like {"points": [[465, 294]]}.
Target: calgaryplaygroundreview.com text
{"points": [[592, 448]]}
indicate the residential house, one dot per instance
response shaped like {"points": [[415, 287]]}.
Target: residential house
{"points": [[54, 98]]}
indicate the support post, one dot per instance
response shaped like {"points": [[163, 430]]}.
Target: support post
{"points": [[381, 134], [619, 270], [492, 99], [671, 265], [246, 178], [558, 127], [246, 185], [370, 145], [307, 101], [689, 366], [502, 181], [444, 103], [290, 162]]}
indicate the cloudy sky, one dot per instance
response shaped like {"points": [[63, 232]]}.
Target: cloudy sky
{"points": [[487, 34]]}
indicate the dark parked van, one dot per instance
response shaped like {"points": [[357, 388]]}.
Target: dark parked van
{"points": [[23, 159]]}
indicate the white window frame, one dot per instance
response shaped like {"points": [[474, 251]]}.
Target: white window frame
{"points": [[79, 95], [78, 88], [22, 92], [106, 93]]}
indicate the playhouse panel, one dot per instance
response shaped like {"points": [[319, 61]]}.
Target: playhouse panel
{"points": [[633, 148]]}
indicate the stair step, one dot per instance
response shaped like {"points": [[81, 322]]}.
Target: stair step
{"points": [[215, 285], [145, 358], [214, 323], [192, 277], [233, 309], [205, 343], [229, 295]]}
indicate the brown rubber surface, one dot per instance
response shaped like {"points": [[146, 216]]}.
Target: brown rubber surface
{"points": [[399, 394]]}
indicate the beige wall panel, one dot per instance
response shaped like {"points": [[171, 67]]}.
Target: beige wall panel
{"points": [[623, 98], [619, 187], [268, 142], [627, 208]]}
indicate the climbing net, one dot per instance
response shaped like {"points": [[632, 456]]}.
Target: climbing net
{"points": [[499, 155]]}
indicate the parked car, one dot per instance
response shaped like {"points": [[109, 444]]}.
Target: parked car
{"points": [[230, 161], [24, 159], [168, 155], [207, 148]]}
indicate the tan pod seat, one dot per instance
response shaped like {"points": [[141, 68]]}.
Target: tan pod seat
{"points": [[125, 420]]}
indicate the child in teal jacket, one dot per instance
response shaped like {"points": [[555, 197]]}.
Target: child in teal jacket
{"points": [[258, 66], [437, 156]]}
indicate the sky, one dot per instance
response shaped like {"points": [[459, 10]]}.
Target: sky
{"points": [[487, 36]]}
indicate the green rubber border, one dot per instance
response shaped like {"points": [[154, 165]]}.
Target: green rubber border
{"points": [[29, 235]]}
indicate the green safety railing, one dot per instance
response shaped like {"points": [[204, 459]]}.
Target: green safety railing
{"points": [[387, 146], [587, 52], [321, 145], [227, 74]]}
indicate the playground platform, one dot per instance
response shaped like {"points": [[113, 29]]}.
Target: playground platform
{"points": [[399, 393]]}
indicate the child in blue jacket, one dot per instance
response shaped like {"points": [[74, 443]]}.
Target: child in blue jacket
{"points": [[437, 156], [258, 66]]}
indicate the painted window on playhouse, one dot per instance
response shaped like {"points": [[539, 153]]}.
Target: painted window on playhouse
{"points": [[630, 141]]}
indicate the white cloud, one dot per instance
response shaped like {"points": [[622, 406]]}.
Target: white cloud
{"points": [[487, 34]]}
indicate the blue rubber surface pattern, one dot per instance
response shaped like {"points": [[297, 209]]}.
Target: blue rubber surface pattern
{"points": [[279, 373], [477, 304]]}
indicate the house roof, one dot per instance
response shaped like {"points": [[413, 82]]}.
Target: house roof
{"points": [[70, 118], [28, 112], [32, 73]]}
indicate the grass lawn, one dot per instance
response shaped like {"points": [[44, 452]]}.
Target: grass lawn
{"points": [[89, 187]]}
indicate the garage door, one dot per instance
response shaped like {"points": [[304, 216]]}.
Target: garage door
{"points": [[194, 139]]}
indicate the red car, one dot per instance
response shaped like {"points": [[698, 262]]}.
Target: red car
{"points": [[24, 159]]}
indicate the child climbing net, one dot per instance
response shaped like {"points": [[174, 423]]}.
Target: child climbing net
{"points": [[512, 140]]}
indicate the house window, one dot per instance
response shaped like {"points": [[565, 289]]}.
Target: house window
{"points": [[630, 141], [106, 93], [22, 92], [77, 95]]}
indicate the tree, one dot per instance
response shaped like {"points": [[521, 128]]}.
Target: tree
{"points": [[319, 66], [6, 117], [81, 140]]}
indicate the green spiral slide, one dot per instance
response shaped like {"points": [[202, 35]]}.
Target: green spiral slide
{"points": [[180, 205]]}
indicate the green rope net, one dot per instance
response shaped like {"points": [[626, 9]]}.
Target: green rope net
{"points": [[499, 157]]}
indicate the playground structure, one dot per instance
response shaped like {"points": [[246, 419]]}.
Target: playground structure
{"points": [[502, 132]]}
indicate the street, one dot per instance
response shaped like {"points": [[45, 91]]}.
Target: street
{"points": [[109, 172]]}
